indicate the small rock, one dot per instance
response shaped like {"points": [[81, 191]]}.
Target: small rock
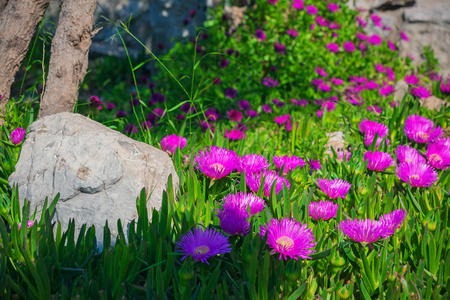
{"points": [[401, 88], [433, 103], [98, 172], [336, 140]]}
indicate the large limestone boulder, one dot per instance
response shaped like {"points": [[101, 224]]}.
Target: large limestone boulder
{"points": [[98, 172]]}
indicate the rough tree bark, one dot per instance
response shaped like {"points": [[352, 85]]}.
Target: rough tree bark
{"points": [[18, 22], [69, 56]]}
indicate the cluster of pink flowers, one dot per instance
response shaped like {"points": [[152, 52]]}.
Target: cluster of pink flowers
{"points": [[370, 129]]}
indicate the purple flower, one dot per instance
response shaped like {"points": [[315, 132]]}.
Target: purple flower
{"points": [[292, 32], [95, 101], [260, 35], [371, 85], [404, 36], [361, 22], [391, 46], [337, 81], [329, 105], [392, 221], [234, 115], [110, 106], [368, 140], [411, 79], [234, 219], [130, 128], [372, 127], [361, 36], [332, 7], [386, 90], [408, 154], [170, 143], [249, 200], [341, 155], [282, 119], [363, 231], [324, 87], [121, 113], [230, 93], [445, 87], [420, 92], [289, 238], [252, 163], [349, 46], [375, 40], [157, 97], [421, 130], [272, 2], [297, 4], [438, 155], [234, 134], [270, 177], [323, 210], [315, 164], [376, 20], [334, 188], [321, 21], [224, 63], [320, 71], [378, 161], [380, 68], [244, 105], [312, 10], [211, 114], [202, 244], [252, 113], [374, 108], [417, 174], [333, 47], [17, 135], [269, 82], [266, 108], [216, 162], [279, 47], [289, 163]]}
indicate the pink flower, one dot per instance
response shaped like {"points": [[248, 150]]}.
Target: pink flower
{"points": [[270, 177], [329, 106], [420, 92], [368, 140], [406, 153], [411, 79], [349, 46], [363, 231], [260, 35], [17, 135], [30, 223], [375, 40], [333, 47], [361, 36], [341, 155], [282, 119], [289, 163], [272, 2], [332, 7], [334, 188], [386, 90], [417, 174], [378, 161], [376, 20], [292, 32], [321, 21], [421, 130], [289, 238], [323, 210], [255, 203], [235, 115], [372, 127], [361, 22], [404, 36], [170, 143], [438, 155], [312, 10], [392, 221], [375, 109], [216, 162], [320, 71], [234, 134], [252, 163], [297, 4], [391, 46], [315, 164]]}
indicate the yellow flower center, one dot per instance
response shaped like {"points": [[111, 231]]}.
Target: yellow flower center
{"points": [[435, 158], [415, 176], [218, 167], [285, 242], [201, 250], [423, 135]]}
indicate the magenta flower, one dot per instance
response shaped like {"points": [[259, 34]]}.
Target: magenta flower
{"points": [[315, 164], [392, 221], [372, 127], [438, 155], [334, 188], [375, 40], [376, 20], [368, 140], [333, 47], [378, 161], [217, 162], [312, 10], [421, 130], [297, 4], [337, 81], [234, 134], [321, 21], [404, 36], [269, 82], [361, 36], [375, 108], [266, 108], [329, 106], [249, 200], [234, 219], [270, 177], [292, 32], [252, 163], [289, 238], [332, 7], [379, 68], [230, 93], [224, 63], [391, 46], [260, 35], [445, 87], [235, 115], [320, 71], [408, 154], [420, 92], [349, 46], [361, 22], [202, 244], [171, 142], [130, 128], [386, 90], [17, 135], [252, 113], [324, 87], [211, 114], [279, 47], [95, 101], [323, 210], [341, 155], [280, 120], [272, 2], [289, 163], [30, 223], [417, 174], [411, 79], [371, 85], [363, 231]]}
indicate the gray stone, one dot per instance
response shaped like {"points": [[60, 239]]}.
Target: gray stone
{"points": [[336, 140], [401, 88], [433, 103], [98, 172]]}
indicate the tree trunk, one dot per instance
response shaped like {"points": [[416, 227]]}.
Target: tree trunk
{"points": [[18, 22], [69, 59]]}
